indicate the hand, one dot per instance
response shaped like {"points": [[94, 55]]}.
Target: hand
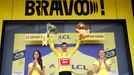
{"points": [[99, 63], [48, 34], [77, 29], [58, 48], [105, 61], [35, 62]]}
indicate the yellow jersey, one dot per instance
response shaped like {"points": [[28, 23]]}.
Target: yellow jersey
{"points": [[64, 57]]}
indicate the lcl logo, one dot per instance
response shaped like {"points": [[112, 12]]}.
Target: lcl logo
{"points": [[64, 37]]}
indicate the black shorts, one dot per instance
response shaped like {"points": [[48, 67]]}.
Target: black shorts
{"points": [[65, 73]]}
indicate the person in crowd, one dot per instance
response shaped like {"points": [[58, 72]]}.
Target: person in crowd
{"points": [[103, 65], [36, 66], [64, 57]]}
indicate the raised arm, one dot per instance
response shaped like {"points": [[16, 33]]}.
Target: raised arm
{"points": [[75, 48], [51, 44]]}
